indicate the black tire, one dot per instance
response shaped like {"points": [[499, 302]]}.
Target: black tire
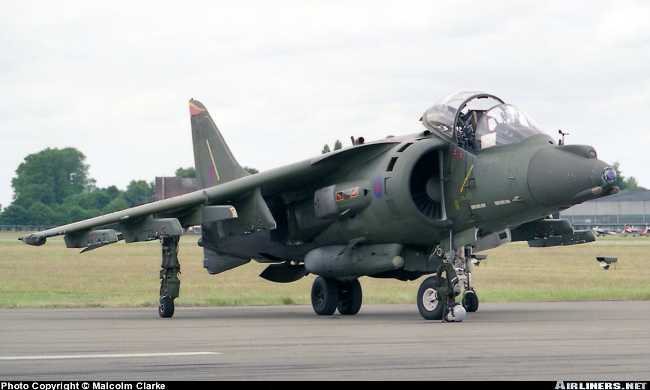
{"points": [[430, 306], [470, 301], [324, 296], [350, 297], [166, 308]]}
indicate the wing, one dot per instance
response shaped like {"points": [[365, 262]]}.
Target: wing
{"points": [[232, 194]]}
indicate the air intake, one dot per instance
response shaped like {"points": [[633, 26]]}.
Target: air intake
{"points": [[425, 185]]}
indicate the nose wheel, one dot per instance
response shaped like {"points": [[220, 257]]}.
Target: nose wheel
{"points": [[470, 301], [430, 298]]}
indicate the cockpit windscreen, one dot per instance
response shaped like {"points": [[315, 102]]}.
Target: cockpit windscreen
{"points": [[503, 125]]}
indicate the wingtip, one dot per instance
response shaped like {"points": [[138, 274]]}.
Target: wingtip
{"points": [[196, 107]]}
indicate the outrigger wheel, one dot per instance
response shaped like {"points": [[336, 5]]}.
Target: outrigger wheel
{"points": [[166, 308]]}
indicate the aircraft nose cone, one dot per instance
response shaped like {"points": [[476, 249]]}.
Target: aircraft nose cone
{"points": [[564, 176]]}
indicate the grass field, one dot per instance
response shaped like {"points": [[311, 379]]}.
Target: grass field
{"points": [[127, 275]]}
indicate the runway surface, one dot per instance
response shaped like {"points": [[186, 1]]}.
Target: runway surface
{"points": [[580, 340]]}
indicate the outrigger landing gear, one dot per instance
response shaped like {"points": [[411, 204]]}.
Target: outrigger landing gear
{"points": [[170, 284], [329, 294]]}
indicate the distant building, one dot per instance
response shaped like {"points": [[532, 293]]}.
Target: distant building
{"points": [[168, 187], [630, 207]]}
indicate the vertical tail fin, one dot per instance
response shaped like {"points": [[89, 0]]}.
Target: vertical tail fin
{"points": [[213, 160]]}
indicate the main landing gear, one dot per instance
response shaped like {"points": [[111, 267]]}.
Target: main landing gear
{"points": [[328, 295], [170, 284]]}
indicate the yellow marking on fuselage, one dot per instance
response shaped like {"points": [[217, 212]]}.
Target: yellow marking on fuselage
{"points": [[469, 172]]}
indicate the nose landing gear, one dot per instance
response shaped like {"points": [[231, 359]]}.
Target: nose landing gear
{"points": [[436, 297]]}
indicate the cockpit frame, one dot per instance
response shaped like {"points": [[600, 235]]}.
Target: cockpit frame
{"points": [[472, 127]]}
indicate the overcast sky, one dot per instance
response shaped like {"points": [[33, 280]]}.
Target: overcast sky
{"points": [[282, 78]]}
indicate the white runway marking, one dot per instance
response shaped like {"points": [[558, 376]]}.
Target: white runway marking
{"points": [[107, 356]]}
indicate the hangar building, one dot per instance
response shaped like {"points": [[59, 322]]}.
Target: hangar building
{"points": [[630, 207]]}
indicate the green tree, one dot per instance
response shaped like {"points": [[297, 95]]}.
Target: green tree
{"points": [[326, 149], [116, 204], [40, 214], [186, 172], [338, 145], [50, 176], [624, 183], [76, 213], [113, 192], [631, 183], [138, 192], [14, 215], [92, 200]]}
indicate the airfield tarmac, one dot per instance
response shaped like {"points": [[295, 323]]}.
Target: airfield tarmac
{"points": [[548, 341]]}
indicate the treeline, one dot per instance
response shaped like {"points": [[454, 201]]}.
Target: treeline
{"points": [[625, 183], [52, 187]]}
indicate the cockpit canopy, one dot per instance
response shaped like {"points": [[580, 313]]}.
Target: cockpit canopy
{"points": [[477, 121]]}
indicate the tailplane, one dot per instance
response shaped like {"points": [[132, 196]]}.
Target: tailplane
{"points": [[213, 160]]}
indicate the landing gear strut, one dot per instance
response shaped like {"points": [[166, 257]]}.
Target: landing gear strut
{"points": [[170, 284], [327, 295], [470, 298]]}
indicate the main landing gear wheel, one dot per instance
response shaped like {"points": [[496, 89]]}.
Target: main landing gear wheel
{"points": [[470, 301], [166, 308], [429, 302], [324, 296], [350, 297]]}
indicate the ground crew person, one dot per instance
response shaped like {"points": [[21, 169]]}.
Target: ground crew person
{"points": [[448, 290]]}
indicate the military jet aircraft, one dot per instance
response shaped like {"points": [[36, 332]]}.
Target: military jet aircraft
{"points": [[478, 175]]}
